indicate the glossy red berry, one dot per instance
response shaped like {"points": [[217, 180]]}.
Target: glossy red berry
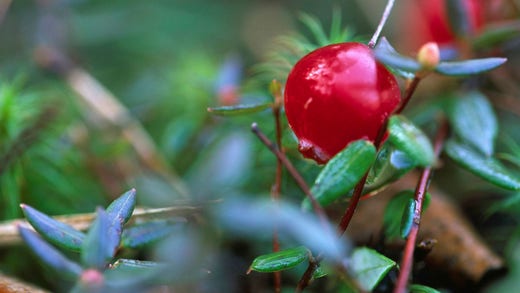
{"points": [[335, 95]]}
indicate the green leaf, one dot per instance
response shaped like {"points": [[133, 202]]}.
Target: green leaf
{"points": [[319, 273], [389, 166], [458, 17], [486, 168], [281, 260], [49, 255], [385, 53], [57, 233], [314, 25], [343, 172], [410, 139], [239, 109], [394, 215], [469, 67], [122, 208], [496, 34], [473, 120], [101, 244], [146, 233], [407, 218], [415, 288], [369, 267]]}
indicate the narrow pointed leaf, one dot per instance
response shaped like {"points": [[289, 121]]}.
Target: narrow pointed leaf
{"points": [[122, 208], [473, 120], [319, 272], [57, 233], [385, 53], [238, 109], [407, 218], [415, 288], [369, 267], [146, 233], [49, 255], [497, 33], [410, 139], [343, 172], [486, 168], [469, 67], [281, 260], [101, 243]]}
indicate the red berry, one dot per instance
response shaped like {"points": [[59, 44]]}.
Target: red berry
{"points": [[424, 21], [338, 94]]}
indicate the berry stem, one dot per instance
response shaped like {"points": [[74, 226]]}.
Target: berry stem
{"points": [[384, 18], [420, 191], [410, 89], [294, 173], [307, 275]]}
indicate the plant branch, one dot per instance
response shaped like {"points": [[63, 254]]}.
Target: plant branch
{"points": [[292, 170], [384, 18], [307, 275], [420, 191], [276, 188], [410, 89]]}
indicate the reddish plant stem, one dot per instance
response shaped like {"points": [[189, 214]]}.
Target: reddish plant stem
{"points": [[307, 275], [277, 186], [382, 21], [294, 173], [410, 89], [420, 191]]}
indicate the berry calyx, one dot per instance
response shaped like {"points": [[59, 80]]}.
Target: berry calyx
{"points": [[335, 95]]}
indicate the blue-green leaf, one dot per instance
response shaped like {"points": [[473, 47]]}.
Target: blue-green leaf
{"points": [[57, 233], [343, 172], [101, 244], [239, 109], [407, 218], [469, 67], [486, 168], [410, 139], [497, 33], [122, 208], [146, 233], [369, 267], [389, 166], [281, 260], [473, 120], [49, 255], [385, 53]]}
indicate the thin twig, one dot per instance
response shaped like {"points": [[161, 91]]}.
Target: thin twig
{"points": [[384, 18], [307, 275], [277, 186], [410, 89], [292, 170], [420, 191]]}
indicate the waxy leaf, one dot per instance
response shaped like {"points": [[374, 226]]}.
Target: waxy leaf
{"points": [[281, 260], [369, 267], [101, 244], [343, 172], [385, 53], [146, 233], [57, 233], [407, 219], [486, 168], [411, 140], [239, 109], [394, 219], [415, 288], [473, 120], [469, 67], [122, 208], [389, 166], [49, 255]]}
